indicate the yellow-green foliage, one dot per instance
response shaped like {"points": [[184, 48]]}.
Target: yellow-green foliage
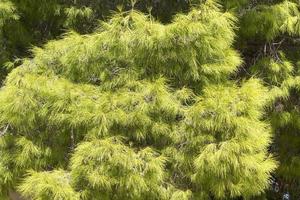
{"points": [[273, 71], [284, 117], [269, 21], [231, 116], [7, 11], [195, 47], [113, 170], [137, 110], [78, 17], [48, 185]]}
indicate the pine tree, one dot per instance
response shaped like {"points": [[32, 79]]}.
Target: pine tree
{"points": [[174, 91], [33, 22], [137, 110], [268, 39]]}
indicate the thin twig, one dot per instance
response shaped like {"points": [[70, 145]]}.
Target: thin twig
{"points": [[2, 133]]}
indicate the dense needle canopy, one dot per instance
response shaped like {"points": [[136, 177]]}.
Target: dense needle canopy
{"points": [[146, 105], [136, 110]]}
